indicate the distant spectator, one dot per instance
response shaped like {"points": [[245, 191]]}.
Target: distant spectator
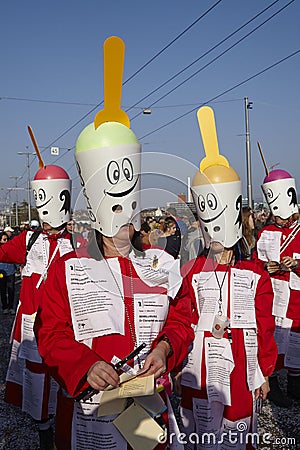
{"points": [[77, 239], [247, 242], [145, 235], [269, 220], [258, 223], [171, 212], [151, 222], [181, 230], [34, 225], [193, 241], [170, 240], [9, 231]]}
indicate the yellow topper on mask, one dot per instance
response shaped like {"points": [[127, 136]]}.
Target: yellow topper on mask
{"points": [[208, 130], [214, 168], [113, 55]]}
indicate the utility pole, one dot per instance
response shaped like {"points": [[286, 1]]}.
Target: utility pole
{"points": [[16, 188], [27, 154], [248, 105]]}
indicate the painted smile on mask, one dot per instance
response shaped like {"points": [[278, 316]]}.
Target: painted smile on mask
{"points": [[44, 204], [122, 194], [214, 218]]}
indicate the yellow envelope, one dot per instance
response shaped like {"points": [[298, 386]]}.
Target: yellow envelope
{"points": [[138, 428], [137, 387]]}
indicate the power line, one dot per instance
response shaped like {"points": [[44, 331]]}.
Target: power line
{"points": [[139, 70], [163, 84], [59, 102], [167, 46], [96, 106], [223, 93], [217, 57], [174, 40], [203, 55]]}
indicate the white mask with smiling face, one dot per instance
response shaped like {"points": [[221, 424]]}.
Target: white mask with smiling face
{"points": [[216, 189], [219, 211], [110, 176]]}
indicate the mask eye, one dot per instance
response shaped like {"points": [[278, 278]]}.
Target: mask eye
{"points": [[113, 172], [35, 195], [212, 201], [42, 195], [127, 169], [270, 193], [201, 203]]}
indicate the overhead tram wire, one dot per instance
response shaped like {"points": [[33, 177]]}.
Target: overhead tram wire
{"points": [[139, 70], [220, 95], [216, 58], [202, 56], [172, 42], [99, 104]]}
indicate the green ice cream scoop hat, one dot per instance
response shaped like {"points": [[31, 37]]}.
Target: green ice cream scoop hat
{"points": [[108, 154]]}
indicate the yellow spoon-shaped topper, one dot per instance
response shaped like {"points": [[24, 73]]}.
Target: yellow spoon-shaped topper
{"points": [[113, 55], [41, 162], [208, 130]]}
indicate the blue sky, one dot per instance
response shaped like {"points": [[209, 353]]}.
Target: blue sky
{"points": [[52, 52]]}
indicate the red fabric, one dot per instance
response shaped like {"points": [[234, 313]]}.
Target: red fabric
{"points": [[69, 361], [14, 251], [293, 311], [241, 397]]}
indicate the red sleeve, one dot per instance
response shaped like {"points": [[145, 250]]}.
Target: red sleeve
{"points": [[178, 327], [267, 349], [14, 251], [68, 360]]}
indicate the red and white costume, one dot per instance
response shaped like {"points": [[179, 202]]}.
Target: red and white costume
{"points": [[225, 365], [83, 319], [285, 241], [28, 385], [220, 375]]}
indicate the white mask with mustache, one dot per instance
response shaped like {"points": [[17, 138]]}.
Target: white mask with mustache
{"points": [[281, 197], [52, 200], [219, 212]]}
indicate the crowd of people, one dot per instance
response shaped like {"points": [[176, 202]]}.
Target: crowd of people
{"points": [[113, 322]]}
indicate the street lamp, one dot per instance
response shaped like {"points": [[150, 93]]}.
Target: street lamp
{"points": [[16, 188], [27, 154]]}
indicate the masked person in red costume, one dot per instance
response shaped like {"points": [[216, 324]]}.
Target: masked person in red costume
{"points": [[106, 300], [278, 250], [234, 350], [28, 385]]}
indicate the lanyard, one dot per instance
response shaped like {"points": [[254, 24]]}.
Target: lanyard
{"points": [[220, 289], [45, 271]]}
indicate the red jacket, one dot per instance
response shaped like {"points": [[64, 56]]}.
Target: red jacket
{"points": [[69, 360], [293, 311], [267, 352]]}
